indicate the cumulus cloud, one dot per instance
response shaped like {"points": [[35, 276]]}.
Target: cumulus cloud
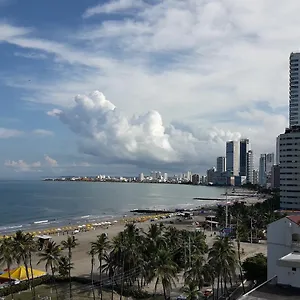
{"points": [[115, 6], [107, 133], [6, 133], [53, 112], [43, 132], [50, 161], [23, 166]]}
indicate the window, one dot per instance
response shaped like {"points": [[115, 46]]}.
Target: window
{"points": [[294, 269]]}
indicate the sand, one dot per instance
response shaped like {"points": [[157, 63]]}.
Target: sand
{"points": [[81, 259]]}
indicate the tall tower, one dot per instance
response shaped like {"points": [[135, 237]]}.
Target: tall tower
{"points": [[244, 148], [221, 164], [233, 157], [250, 167], [294, 107]]}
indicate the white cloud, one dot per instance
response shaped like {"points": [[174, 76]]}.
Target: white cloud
{"points": [[31, 55], [38, 166], [53, 112], [50, 161], [6, 133], [23, 166], [43, 132], [115, 6], [107, 133], [196, 61]]}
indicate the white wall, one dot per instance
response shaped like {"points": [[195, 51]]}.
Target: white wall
{"points": [[279, 235], [286, 276]]}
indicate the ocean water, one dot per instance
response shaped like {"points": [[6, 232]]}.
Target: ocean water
{"points": [[39, 204]]}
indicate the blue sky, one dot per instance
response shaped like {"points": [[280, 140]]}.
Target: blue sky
{"points": [[174, 81]]}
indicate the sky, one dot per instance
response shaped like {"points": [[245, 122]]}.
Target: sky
{"points": [[128, 86]]}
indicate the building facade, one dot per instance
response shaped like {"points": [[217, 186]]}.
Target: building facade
{"points": [[283, 251], [294, 105], [221, 164], [290, 169], [195, 179], [250, 167], [233, 157], [262, 175], [275, 177], [210, 175], [244, 148]]}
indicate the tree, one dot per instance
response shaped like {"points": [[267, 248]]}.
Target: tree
{"points": [[165, 271], [92, 254], [100, 248], [70, 243], [51, 256], [64, 266], [192, 291], [255, 268], [7, 258]]}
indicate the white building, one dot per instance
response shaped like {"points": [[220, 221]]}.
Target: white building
{"points": [[266, 162], [284, 251], [290, 168], [142, 177], [249, 167], [294, 111], [233, 157]]}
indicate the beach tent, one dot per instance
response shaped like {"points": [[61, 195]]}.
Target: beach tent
{"points": [[20, 274]]}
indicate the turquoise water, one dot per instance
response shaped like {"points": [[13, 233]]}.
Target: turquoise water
{"points": [[24, 203]]}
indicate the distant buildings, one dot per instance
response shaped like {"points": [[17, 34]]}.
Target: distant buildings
{"points": [[195, 179], [249, 167], [221, 164], [233, 157], [244, 148], [266, 162], [294, 111], [210, 175]]}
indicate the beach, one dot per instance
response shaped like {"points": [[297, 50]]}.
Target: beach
{"points": [[81, 259]]}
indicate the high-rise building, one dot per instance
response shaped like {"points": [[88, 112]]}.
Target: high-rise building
{"points": [[221, 164], [244, 148], [269, 162], [290, 168], [142, 177], [233, 157], [262, 174], [294, 107], [210, 174], [249, 167], [277, 161], [255, 177]]}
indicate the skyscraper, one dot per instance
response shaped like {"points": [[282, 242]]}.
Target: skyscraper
{"points": [[262, 175], [294, 111], [277, 150], [244, 148], [250, 167], [221, 164], [233, 157]]}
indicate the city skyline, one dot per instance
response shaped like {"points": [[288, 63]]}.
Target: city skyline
{"points": [[161, 84]]}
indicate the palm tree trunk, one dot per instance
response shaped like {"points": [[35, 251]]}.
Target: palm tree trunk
{"points": [[122, 280], [112, 285], [239, 254], [218, 287], [165, 294], [10, 284], [32, 278], [92, 277], [70, 281], [100, 276], [26, 270], [54, 281]]}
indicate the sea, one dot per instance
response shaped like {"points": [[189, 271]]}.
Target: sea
{"points": [[36, 205]]}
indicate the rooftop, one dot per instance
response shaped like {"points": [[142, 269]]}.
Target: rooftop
{"points": [[295, 219], [273, 292]]}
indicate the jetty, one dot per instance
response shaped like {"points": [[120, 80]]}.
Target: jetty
{"points": [[206, 198], [152, 211]]}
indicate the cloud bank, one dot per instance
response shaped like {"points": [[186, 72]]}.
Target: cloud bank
{"points": [[105, 132]]}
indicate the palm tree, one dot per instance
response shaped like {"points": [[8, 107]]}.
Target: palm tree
{"points": [[165, 271], [192, 291], [64, 266], [92, 254], [195, 273], [32, 246], [100, 248], [51, 256], [223, 257], [7, 258], [70, 243]]}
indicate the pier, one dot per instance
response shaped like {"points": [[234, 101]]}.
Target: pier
{"points": [[205, 198]]}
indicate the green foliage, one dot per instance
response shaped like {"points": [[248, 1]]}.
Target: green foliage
{"points": [[255, 268]]}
